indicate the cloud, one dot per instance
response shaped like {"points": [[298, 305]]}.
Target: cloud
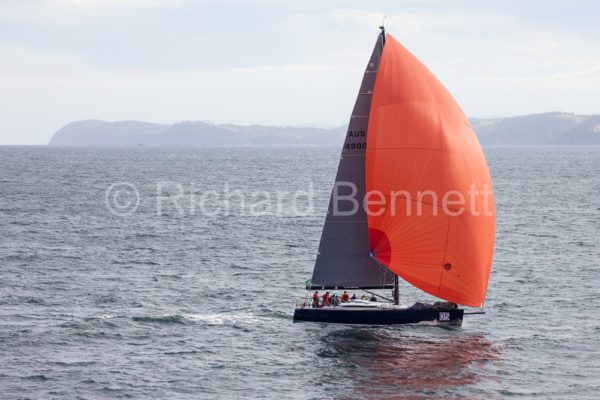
{"points": [[19, 59], [44, 90], [478, 51], [273, 62], [113, 3]]}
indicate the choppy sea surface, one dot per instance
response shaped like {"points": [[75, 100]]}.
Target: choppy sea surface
{"points": [[178, 304]]}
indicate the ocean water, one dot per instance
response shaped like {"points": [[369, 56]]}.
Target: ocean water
{"points": [[179, 304]]}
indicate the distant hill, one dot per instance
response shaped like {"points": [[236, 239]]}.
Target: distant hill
{"points": [[194, 134], [538, 129]]}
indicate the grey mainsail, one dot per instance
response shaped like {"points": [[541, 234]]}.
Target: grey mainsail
{"points": [[344, 259]]}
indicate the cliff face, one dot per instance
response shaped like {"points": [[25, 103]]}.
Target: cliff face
{"points": [[588, 132], [540, 129], [536, 129]]}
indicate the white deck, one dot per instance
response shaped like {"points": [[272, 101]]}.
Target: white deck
{"points": [[368, 304]]}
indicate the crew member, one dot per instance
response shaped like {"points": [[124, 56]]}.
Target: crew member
{"points": [[326, 299]]}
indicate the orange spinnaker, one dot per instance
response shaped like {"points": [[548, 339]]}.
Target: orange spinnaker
{"points": [[423, 157]]}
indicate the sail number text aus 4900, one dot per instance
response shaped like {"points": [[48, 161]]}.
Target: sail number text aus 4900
{"points": [[356, 146], [362, 133]]}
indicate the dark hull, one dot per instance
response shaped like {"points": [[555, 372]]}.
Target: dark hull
{"points": [[379, 316]]}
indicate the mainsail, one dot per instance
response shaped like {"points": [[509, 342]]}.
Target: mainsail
{"points": [[422, 148], [344, 259]]}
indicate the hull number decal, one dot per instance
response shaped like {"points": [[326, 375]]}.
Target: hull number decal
{"points": [[444, 316]]}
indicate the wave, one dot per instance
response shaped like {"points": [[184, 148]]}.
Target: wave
{"points": [[102, 316], [164, 319], [275, 314], [173, 353], [182, 319], [35, 377], [223, 319], [72, 363]]}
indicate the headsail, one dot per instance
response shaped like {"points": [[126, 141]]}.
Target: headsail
{"points": [[344, 259], [422, 148]]}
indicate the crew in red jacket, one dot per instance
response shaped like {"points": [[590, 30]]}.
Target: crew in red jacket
{"points": [[326, 299], [345, 297]]}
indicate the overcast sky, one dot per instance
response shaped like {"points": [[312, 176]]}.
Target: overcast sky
{"points": [[280, 62]]}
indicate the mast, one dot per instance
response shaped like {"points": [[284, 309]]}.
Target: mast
{"points": [[396, 290], [396, 280]]}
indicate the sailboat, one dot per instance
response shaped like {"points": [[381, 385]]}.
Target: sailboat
{"points": [[408, 149]]}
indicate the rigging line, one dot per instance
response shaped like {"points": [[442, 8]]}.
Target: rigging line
{"points": [[444, 262], [377, 295]]}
